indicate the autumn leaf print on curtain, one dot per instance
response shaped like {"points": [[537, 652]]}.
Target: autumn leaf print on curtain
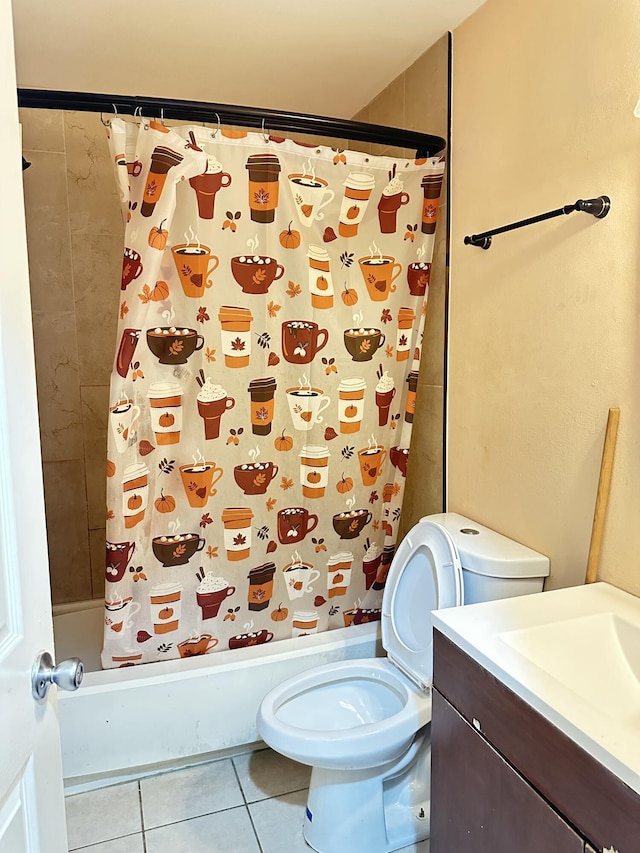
{"points": [[272, 309]]}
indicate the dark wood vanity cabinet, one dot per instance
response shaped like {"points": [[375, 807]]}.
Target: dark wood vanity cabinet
{"points": [[504, 779], [479, 802]]}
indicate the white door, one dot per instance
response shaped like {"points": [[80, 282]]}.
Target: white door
{"points": [[31, 794]]}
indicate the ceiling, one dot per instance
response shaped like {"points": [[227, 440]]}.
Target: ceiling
{"points": [[328, 57]]}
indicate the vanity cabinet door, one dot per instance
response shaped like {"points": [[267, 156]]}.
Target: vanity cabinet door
{"points": [[479, 803]]}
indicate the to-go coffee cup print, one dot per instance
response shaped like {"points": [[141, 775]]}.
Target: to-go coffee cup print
{"points": [[263, 172], [357, 191], [162, 160], [314, 470]]}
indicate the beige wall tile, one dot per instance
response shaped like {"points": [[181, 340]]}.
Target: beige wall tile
{"points": [[433, 349], [97, 556], [48, 237], [42, 130], [67, 531], [423, 493], [95, 407], [425, 90], [362, 115], [94, 205], [45, 184], [388, 109], [58, 385], [49, 264], [95, 461], [417, 100], [97, 266]]}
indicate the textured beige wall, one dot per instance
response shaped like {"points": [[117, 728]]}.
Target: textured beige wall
{"points": [[544, 330], [418, 100], [75, 237]]}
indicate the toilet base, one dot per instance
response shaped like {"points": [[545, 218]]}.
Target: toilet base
{"points": [[377, 810]]}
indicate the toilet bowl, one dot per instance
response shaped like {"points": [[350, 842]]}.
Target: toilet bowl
{"points": [[353, 714], [364, 725]]}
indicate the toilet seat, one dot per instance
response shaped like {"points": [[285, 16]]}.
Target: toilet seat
{"points": [[425, 575], [363, 713]]}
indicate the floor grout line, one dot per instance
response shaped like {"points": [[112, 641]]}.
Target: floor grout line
{"points": [[196, 816], [246, 805], [144, 837], [237, 775], [106, 841]]}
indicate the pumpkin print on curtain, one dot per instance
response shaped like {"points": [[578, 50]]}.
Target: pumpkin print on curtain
{"points": [[273, 299]]}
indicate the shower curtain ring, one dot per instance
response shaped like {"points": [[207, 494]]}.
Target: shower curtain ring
{"points": [[215, 132], [137, 114], [143, 121], [264, 133], [162, 117], [107, 123]]}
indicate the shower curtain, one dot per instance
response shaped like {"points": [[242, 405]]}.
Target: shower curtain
{"points": [[273, 298]]}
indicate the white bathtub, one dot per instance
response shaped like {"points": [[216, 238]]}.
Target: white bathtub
{"points": [[123, 723]]}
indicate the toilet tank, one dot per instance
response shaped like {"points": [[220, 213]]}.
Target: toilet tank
{"points": [[493, 566]]}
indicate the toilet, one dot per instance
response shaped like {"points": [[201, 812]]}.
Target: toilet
{"points": [[364, 725]]}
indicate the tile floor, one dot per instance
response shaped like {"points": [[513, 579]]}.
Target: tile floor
{"points": [[253, 803]]}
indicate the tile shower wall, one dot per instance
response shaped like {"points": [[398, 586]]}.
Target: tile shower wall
{"points": [[75, 234], [418, 100]]}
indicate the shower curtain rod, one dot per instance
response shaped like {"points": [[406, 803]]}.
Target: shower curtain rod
{"points": [[425, 144]]}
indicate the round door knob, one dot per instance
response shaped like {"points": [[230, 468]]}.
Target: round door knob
{"points": [[67, 675]]}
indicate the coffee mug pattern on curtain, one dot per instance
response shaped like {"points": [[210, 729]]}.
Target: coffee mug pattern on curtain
{"points": [[273, 298]]}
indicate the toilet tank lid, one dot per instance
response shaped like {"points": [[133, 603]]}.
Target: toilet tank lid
{"points": [[490, 553]]}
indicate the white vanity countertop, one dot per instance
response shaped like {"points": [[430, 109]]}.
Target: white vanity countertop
{"points": [[573, 655]]}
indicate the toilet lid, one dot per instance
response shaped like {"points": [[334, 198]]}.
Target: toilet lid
{"points": [[425, 575]]}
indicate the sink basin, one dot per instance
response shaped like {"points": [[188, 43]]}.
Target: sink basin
{"points": [[573, 655], [596, 657]]}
